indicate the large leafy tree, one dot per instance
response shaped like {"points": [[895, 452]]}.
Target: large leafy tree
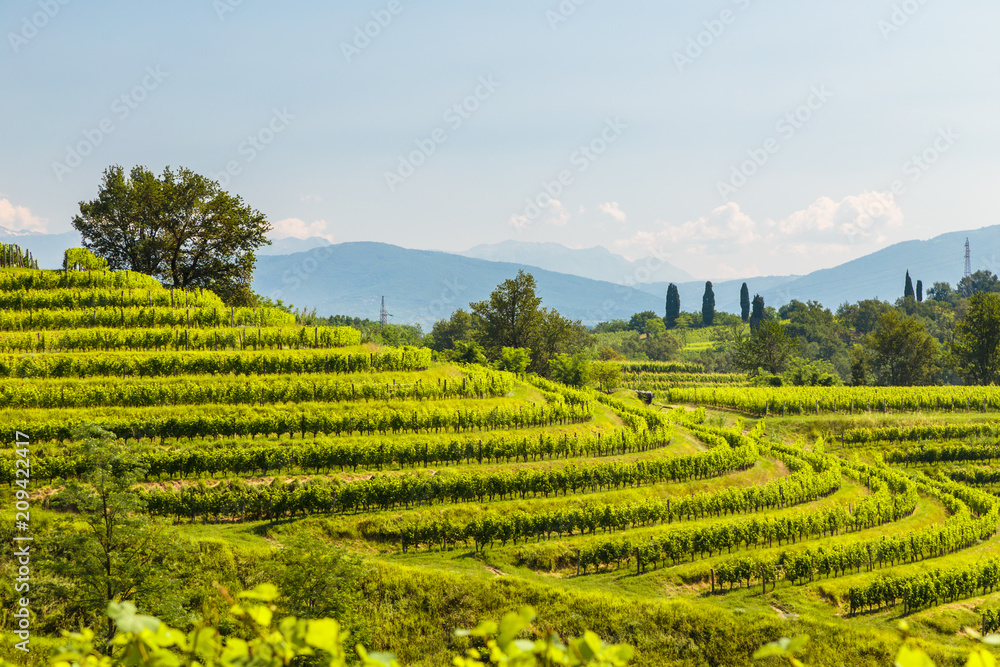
{"points": [[902, 352], [768, 347], [976, 347], [708, 305], [556, 335], [179, 227], [673, 306], [512, 316]]}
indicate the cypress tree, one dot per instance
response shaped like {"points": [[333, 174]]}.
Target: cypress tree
{"points": [[745, 302], [908, 287], [708, 305], [920, 290], [758, 312], [673, 306]]}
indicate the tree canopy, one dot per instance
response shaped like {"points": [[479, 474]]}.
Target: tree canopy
{"points": [[980, 281], [977, 340], [902, 352], [180, 227], [768, 347], [512, 316]]}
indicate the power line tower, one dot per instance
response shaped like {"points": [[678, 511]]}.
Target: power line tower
{"points": [[383, 317], [968, 259]]}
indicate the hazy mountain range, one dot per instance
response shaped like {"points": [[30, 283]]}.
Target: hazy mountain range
{"points": [[596, 263], [590, 284]]}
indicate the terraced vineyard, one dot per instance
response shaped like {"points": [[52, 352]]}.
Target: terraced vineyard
{"points": [[833, 515]]}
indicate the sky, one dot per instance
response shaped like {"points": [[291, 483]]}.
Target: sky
{"points": [[733, 138]]}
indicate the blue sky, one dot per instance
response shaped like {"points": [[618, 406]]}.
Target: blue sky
{"points": [[736, 138]]}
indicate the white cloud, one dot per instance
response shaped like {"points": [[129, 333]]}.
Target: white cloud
{"points": [[823, 234], [724, 227], [852, 219], [558, 214], [311, 198], [825, 223], [300, 229], [612, 209], [19, 218]]}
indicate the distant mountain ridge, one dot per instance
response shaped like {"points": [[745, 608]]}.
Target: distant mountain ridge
{"points": [[597, 263], [423, 286], [291, 245], [882, 273]]}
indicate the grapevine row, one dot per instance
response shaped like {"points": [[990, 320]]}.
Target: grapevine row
{"points": [[783, 401], [961, 531], [385, 492], [661, 367], [12, 280], [142, 317], [309, 419], [232, 391], [158, 364], [794, 490], [944, 453], [927, 432], [261, 338], [64, 298], [685, 544], [244, 459]]}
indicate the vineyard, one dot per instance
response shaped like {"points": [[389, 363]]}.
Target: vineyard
{"points": [[826, 511]]}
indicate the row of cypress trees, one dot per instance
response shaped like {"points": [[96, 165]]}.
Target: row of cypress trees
{"points": [[708, 306]]}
